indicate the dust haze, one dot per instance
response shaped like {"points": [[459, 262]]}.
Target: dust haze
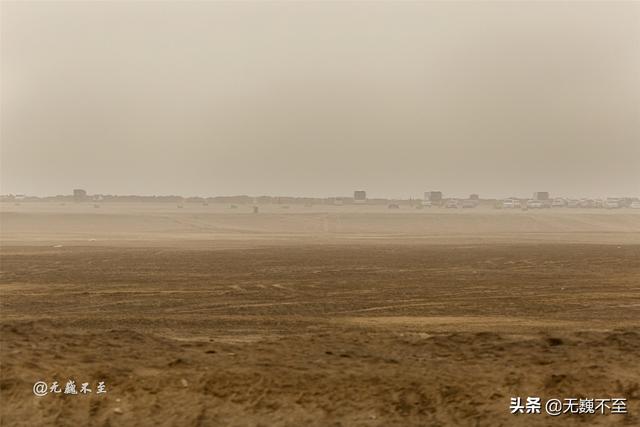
{"points": [[370, 214], [310, 99]]}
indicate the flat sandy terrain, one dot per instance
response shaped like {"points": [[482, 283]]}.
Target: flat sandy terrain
{"points": [[321, 316]]}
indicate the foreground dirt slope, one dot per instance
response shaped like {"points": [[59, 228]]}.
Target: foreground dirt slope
{"points": [[342, 377], [351, 334]]}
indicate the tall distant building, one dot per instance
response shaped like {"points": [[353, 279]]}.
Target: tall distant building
{"points": [[79, 195], [541, 195], [360, 197], [433, 196]]}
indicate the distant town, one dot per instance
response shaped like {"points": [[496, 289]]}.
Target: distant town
{"points": [[431, 199]]}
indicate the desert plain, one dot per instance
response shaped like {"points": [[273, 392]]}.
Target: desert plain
{"points": [[316, 315]]}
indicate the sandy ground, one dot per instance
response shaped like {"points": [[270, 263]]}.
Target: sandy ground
{"points": [[334, 317]]}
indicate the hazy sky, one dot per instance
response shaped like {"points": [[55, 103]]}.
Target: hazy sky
{"points": [[319, 99]]}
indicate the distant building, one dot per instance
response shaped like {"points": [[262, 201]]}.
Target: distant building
{"points": [[541, 195], [360, 197], [474, 197], [79, 195], [433, 196]]}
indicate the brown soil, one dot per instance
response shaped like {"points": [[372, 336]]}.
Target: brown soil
{"points": [[344, 335], [334, 332]]}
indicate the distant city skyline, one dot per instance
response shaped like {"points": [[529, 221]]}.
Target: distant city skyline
{"points": [[445, 195]]}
